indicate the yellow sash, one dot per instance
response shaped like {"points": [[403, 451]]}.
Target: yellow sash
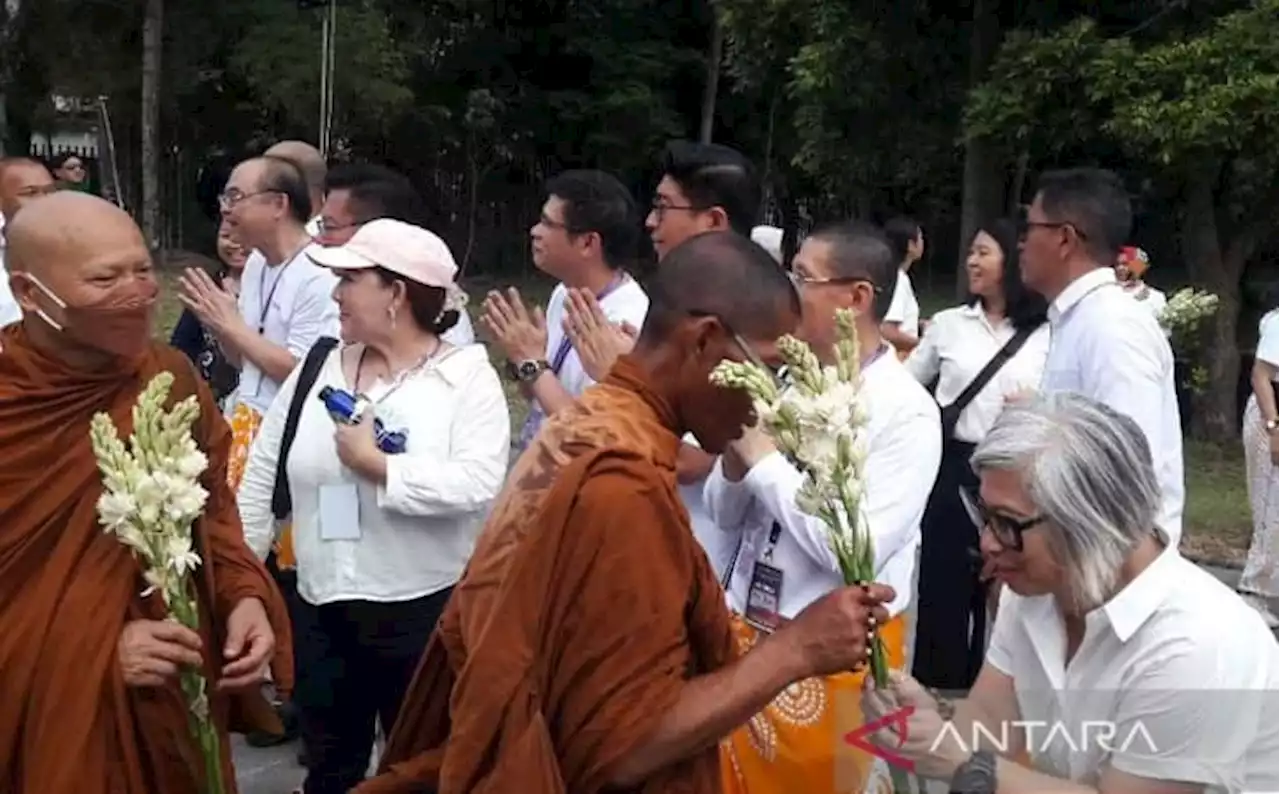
{"points": [[797, 743], [244, 428]]}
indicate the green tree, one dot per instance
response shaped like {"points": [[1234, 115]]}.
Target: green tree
{"points": [[1196, 112]]}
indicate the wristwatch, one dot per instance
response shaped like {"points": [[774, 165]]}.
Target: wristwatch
{"points": [[977, 775], [1271, 424], [527, 371]]}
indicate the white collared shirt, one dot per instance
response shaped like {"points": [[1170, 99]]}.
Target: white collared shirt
{"points": [[1106, 346], [417, 531], [1182, 674], [904, 449], [904, 308], [1268, 350], [957, 346], [301, 310], [10, 311]]}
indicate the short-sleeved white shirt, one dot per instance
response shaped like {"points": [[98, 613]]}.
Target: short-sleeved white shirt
{"points": [[626, 303], [904, 309], [1269, 339], [301, 310], [1176, 679]]}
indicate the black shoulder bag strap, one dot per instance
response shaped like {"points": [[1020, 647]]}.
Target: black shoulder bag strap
{"points": [[951, 413], [281, 500]]}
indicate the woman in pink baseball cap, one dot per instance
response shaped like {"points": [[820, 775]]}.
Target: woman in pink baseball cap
{"points": [[399, 444]]}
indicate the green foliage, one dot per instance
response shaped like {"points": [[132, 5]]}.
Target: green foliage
{"points": [[279, 57], [1165, 103]]}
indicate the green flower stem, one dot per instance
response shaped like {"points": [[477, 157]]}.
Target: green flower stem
{"points": [[858, 569], [185, 610]]}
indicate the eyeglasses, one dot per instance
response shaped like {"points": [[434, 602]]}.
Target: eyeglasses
{"points": [[801, 280], [325, 227], [1007, 529], [660, 206], [230, 198], [748, 351], [1025, 226]]}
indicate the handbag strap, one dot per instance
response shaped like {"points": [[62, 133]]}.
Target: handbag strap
{"points": [[281, 499], [980, 381]]}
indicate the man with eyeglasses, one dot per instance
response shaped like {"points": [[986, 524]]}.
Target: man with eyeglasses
{"points": [[356, 193], [1102, 343], [585, 238], [752, 492], [22, 180]]}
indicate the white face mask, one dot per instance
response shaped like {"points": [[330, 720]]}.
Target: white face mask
{"points": [[51, 295]]}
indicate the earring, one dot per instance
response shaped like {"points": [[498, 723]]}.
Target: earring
{"points": [[391, 315]]}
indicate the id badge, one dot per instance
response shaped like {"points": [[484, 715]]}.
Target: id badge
{"points": [[764, 597]]}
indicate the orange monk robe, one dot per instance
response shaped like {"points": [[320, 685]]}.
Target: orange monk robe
{"points": [[68, 722], [586, 607]]}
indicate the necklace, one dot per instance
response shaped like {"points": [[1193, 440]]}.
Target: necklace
{"points": [[397, 379]]}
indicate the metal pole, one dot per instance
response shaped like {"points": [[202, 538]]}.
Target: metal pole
{"points": [[324, 79], [330, 60]]}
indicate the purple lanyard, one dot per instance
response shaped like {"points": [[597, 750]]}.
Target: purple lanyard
{"points": [[562, 352]]}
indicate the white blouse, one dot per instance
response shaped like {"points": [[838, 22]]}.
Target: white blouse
{"points": [[955, 348], [412, 536]]}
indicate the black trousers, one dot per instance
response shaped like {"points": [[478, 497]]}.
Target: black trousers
{"points": [[356, 660], [952, 606]]}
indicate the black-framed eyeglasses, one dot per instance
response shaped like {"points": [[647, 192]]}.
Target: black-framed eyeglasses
{"points": [[1007, 529], [779, 374], [1025, 225], [659, 207]]}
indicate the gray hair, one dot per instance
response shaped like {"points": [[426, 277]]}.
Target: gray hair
{"points": [[1088, 470]]}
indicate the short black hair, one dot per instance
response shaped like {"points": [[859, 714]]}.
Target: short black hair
{"points": [[714, 175], [902, 232], [862, 250], [725, 275], [376, 191], [1093, 201], [595, 201], [1023, 307], [285, 177]]}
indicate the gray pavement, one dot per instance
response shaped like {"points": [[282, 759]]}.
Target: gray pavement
{"points": [[269, 770], [275, 770]]}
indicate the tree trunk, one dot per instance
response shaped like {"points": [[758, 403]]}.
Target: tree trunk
{"points": [[1217, 269], [712, 85], [152, 42], [982, 191]]}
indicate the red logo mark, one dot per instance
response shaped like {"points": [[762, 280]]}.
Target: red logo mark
{"points": [[896, 722]]}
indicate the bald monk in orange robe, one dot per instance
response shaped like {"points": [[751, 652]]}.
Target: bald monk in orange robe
{"points": [[89, 695], [587, 646]]}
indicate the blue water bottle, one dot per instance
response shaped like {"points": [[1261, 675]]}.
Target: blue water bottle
{"points": [[347, 408]]}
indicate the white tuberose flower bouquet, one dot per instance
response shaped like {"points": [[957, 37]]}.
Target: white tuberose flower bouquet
{"points": [[151, 497], [818, 421], [1186, 309]]}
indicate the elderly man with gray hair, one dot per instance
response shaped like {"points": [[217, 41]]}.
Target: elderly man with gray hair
{"points": [[1115, 664]]}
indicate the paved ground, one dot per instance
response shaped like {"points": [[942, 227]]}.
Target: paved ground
{"points": [[275, 770], [272, 770]]}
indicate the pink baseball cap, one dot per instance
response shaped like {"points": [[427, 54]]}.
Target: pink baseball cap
{"points": [[409, 251]]}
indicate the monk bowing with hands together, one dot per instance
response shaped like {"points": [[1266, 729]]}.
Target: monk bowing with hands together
{"points": [[587, 646], [89, 696]]}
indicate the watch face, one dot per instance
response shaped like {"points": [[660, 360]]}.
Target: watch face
{"points": [[527, 370]]}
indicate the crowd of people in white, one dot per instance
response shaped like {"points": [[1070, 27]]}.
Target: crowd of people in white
{"points": [[1024, 447]]}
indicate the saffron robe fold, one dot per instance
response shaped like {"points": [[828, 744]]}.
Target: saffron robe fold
{"points": [[68, 722], [586, 607]]}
